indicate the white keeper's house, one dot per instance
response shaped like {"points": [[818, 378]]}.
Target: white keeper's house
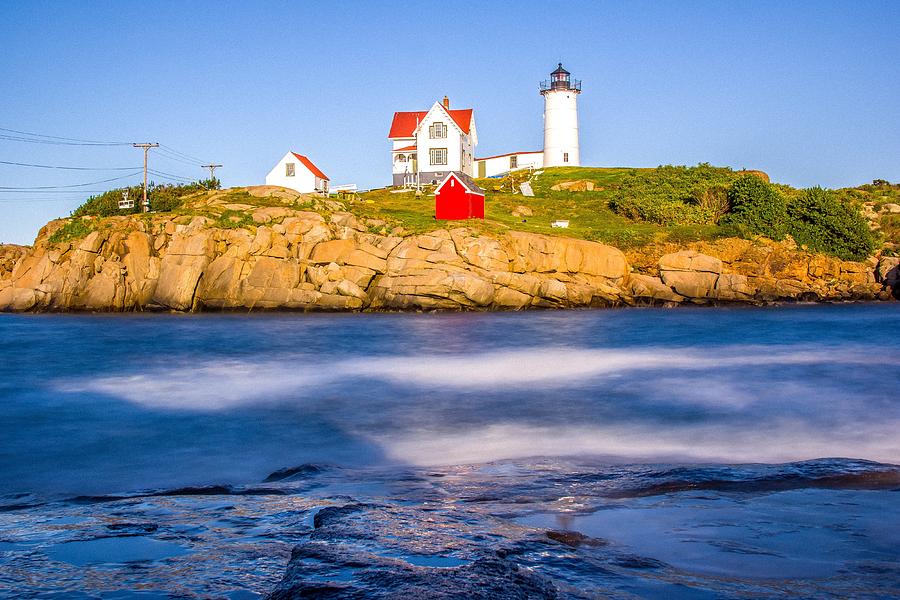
{"points": [[296, 172], [426, 145]]}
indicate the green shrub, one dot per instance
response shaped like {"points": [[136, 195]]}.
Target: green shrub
{"points": [[820, 221], [162, 197], [674, 195], [72, 230], [234, 219], [757, 207], [713, 201]]}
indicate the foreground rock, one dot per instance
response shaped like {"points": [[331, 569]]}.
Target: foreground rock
{"points": [[302, 260], [368, 551]]}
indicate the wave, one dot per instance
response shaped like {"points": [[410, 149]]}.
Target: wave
{"points": [[223, 384], [787, 441]]}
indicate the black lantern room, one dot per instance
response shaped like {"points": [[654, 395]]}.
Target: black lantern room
{"points": [[560, 80]]}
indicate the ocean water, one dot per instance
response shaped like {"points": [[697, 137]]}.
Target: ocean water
{"points": [[701, 452]]}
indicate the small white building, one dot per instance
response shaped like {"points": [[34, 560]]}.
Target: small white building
{"points": [[426, 145], [491, 166], [296, 172]]}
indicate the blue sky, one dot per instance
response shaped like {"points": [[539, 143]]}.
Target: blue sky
{"points": [[807, 91]]}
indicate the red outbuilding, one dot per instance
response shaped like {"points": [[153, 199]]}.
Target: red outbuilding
{"points": [[457, 197]]}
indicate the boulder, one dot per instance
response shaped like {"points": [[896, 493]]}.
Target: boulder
{"points": [[332, 251], [546, 254], [580, 185], [17, 299], [690, 273], [474, 288], [181, 269], [510, 298], [690, 260], [651, 288], [734, 287], [692, 284]]}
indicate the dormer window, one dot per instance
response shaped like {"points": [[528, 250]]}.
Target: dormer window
{"points": [[289, 169], [437, 130]]}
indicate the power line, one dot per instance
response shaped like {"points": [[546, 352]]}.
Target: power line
{"points": [[182, 154], [32, 200], [57, 187], [34, 191], [18, 164], [67, 139], [55, 142], [169, 176], [178, 160]]}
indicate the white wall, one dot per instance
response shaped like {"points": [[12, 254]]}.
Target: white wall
{"points": [[561, 128], [303, 181], [407, 165], [452, 143], [500, 164]]}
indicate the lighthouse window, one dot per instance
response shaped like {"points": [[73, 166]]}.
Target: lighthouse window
{"points": [[438, 156], [565, 157], [437, 131], [289, 169]]}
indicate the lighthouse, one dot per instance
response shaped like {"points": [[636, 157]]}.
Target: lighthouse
{"points": [[561, 119]]}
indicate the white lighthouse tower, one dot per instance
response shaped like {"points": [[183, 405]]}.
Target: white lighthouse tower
{"points": [[561, 119]]}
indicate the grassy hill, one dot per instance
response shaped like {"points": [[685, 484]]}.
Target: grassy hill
{"points": [[588, 212], [627, 208]]}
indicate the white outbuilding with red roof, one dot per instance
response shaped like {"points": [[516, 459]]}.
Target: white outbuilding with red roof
{"points": [[426, 145], [296, 172]]}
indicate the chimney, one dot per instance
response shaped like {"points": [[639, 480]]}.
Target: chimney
{"points": [[446, 102]]}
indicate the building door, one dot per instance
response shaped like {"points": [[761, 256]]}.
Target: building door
{"points": [[481, 168]]}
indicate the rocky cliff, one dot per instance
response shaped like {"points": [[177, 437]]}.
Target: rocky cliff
{"points": [[306, 260]]}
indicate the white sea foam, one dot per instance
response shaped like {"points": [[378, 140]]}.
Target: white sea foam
{"points": [[210, 386], [782, 442]]}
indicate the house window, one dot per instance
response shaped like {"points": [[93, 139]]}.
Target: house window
{"points": [[565, 157], [400, 158], [513, 162], [438, 156], [437, 131], [289, 169]]}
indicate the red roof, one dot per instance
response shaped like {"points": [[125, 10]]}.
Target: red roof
{"points": [[467, 182], [405, 123], [309, 165], [404, 149]]}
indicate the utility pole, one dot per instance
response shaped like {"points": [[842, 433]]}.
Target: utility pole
{"points": [[146, 148], [212, 170]]}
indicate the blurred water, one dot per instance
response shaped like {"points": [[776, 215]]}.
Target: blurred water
{"points": [[99, 404], [668, 440]]}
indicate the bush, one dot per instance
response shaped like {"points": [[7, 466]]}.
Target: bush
{"points": [[674, 195], [234, 219], [73, 230], [162, 197], [757, 207], [713, 201], [823, 223]]}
